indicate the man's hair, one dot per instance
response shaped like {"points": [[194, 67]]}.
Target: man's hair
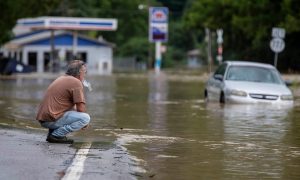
{"points": [[73, 68]]}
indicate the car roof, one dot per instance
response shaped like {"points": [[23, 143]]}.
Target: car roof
{"points": [[248, 63]]}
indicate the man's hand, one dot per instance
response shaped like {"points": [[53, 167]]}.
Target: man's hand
{"points": [[80, 107]]}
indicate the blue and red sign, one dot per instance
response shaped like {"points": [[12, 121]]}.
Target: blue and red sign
{"points": [[158, 24], [159, 14]]}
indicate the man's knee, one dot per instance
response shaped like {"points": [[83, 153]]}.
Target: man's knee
{"points": [[86, 118]]}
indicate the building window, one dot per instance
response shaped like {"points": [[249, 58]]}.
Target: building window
{"points": [[80, 56], [46, 61], [15, 55], [32, 60], [105, 66], [20, 56]]}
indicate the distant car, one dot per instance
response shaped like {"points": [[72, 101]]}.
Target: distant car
{"points": [[247, 82]]}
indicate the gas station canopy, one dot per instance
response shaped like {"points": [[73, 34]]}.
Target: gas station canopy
{"points": [[67, 23]]}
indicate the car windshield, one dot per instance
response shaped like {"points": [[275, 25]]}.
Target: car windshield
{"points": [[253, 74]]}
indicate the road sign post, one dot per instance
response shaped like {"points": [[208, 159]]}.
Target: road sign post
{"points": [[277, 43], [220, 46]]}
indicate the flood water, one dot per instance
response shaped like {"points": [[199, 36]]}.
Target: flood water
{"points": [[167, 127]]}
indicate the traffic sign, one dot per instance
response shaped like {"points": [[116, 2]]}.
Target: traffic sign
{"points": [[278, 32], [277, 45], [220, 50], [220, 36], [219, 58]]}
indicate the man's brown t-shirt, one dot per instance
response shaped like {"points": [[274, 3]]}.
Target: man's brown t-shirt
{"points": [[61, 96]]}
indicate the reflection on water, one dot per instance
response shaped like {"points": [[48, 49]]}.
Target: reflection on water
{"points": [[167, 129], [254, 139], [158, 94]]}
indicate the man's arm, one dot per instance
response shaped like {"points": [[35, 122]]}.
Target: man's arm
{"points": [[80, 107]]}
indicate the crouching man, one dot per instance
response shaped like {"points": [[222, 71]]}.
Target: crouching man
{"points": [[62, 109]]}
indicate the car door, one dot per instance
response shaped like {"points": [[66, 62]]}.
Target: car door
{"points": [[215, 83]]}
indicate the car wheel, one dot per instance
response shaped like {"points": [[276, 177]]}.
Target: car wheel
{"points": [[222, 98]]}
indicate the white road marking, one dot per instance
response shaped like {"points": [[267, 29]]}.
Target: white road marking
{"points": [[75, 170]]}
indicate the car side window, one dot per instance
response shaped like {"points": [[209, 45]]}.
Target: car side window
{"points": [[221, 69]]}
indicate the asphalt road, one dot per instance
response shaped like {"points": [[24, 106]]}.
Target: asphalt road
{"points": [[26, 155]]}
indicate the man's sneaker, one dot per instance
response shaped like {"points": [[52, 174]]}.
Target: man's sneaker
{"points": [[55, 139], [50, 132]]}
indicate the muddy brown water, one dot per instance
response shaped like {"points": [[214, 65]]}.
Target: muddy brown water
{"points": [[170, 132]]}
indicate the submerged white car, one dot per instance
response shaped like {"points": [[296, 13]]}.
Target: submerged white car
{"points": [[247, 82]]}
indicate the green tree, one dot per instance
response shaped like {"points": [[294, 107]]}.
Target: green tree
{"points": [[12, 10], [291, 22], [247, 25]]}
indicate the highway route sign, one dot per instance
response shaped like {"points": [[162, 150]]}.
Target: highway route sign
{"points": [[277, 45]]}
